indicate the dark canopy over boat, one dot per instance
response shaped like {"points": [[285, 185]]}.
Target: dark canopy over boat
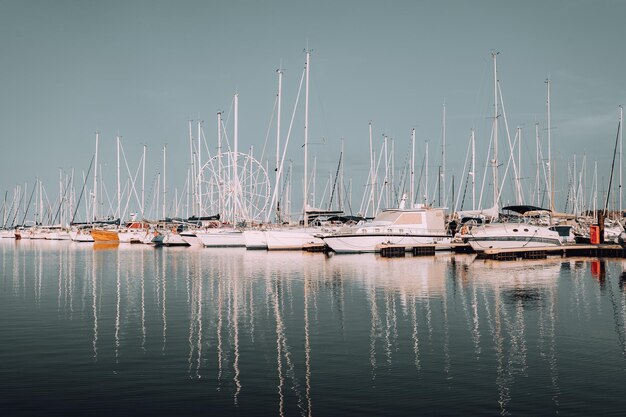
{"points": [[524, 209]]}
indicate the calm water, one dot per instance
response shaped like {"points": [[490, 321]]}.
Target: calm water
{"points": [[90, 330]]}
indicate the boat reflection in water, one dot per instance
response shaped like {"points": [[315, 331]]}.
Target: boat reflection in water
{"points": [[192, 330]]}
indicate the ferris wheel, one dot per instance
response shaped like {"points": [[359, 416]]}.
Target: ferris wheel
{"points": [[240, 194]]}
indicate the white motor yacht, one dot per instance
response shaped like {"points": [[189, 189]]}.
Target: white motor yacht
{"points": [[420, 225]]}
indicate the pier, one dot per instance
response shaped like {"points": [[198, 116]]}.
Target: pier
{"points": [[389, 250], [596, 251]]}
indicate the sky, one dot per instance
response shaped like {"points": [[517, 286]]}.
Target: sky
{"points": [[143, 69]]}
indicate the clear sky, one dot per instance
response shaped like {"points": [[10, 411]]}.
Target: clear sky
{"points": [[143, 69]]}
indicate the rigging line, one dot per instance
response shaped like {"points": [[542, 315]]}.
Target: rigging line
{"points": [[275, 197], [67, 186], [28, 205], [419, 181], [83, 189], [606, 202], [332, 194], [469, 146], [18, 206]]}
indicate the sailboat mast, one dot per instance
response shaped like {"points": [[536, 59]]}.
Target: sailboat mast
{"points": [[199, 185], [473, 172], [164, 189], [443, 156], [519, 165], [426, 176], [386, 183], [494, 162], [306, 136], [118, 213], [538, 163], [550, 191], [143, 185], [412, 192], [621, 122], [95, 181], [219, 164], [372, 173], [235, 173], [193, 170], [279, 105]]}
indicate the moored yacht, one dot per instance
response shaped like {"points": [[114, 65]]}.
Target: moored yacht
{"points": [[530, 230], [420, 225]]}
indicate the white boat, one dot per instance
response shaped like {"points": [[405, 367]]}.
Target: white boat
{"points": [[292, 238], [7, 234], [512, 235], [172, 238], [417, 226], [255, 239], [190, 237], [81, 235], [133, 232], [56, 233], [223, 237]]}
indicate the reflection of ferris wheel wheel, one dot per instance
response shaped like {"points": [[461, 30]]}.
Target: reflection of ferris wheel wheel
{"points": [[237, 195]]}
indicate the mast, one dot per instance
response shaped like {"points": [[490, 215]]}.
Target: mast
{"points": [[95, 181], [550, 190], [538, 162], [306, 135], [412, 192], [199, 185], [219, 164], [193, 170], [143, 185], [443, 157], [494, 161], [372, 173], [236, 133], [519, 165], [340, 190], [386, 184], [473, 172], [278, 103], [164, 189], [118, 213], [621, 122], [426, 176]]}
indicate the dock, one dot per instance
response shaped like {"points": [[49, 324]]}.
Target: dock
{"points": [[314, 247], [596, 251], [588, 250], [389, 250]]}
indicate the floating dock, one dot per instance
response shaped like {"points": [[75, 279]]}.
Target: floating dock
{"points": [[314, 247], [596, 251], [389, 250]]}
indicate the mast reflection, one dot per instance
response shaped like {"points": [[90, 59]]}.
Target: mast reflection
{"points": [[288, 326]]}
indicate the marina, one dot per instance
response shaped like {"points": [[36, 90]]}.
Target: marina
{"points": [[313, 209]]}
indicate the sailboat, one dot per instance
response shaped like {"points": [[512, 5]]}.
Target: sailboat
{"points": [[532, 228]]}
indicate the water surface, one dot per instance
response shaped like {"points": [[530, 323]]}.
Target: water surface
{"points": [[90, 330]]}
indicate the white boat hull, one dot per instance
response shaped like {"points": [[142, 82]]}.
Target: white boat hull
{"points": [[191, 239], [356, 243], [255, 239], [132, 236], [216, 238], [295, 239], [512, 236], [173, 239], [80, 235]]}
